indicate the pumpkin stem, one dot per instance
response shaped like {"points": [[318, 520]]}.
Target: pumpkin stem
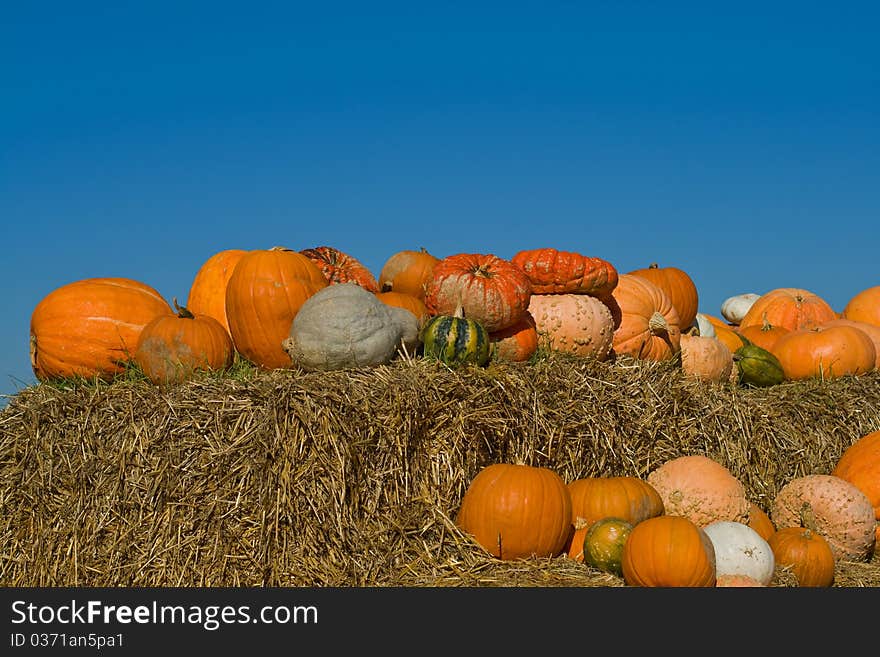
{"points": [[653, 265], [459, 311], [182, 311], [657, 323], [808, 518]]}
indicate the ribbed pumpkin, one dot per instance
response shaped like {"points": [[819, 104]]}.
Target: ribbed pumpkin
{"points": [[603, 544], [647, 323], [455, 339], [764, 335], [517, 511], [516, 343], [172, 347], [806, 554], [678, 286], [864, 306], [871, 330], [668, 551], [562, 272], [626, 497], [263, 295], [407, 301], [757, 367], [207, 293], [408, 272], [340, 267], [706, 359], [860, 465], [700, 489], [831, 506], [789, 307], [491, 290], [578, 324], [825, 352], [90, 327]]}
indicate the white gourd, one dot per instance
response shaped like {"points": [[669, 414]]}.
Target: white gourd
{"points": [[735, 308], [704, 326], [740, 550]]}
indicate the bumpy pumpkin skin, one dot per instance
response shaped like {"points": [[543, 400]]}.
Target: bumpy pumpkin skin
{"points": [[647, 322], [700, 489], [789, 307], [517, 511], [727, 580], [578, 324], [825, 353], [90, 328], [516, 343], [565, 272], [806, 554], [838, 511], [860, 465], [340, 267], [668, 551], [678, 286], [864, 306], [344, 326], [263, 295], [207, 293], [740, 550], [705, 359], [408, 272]]}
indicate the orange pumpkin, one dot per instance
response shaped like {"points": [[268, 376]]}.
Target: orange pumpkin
{"points": [[559, 272], [726, 333], [805, 553], [173, 346], [763, 335], [647, 322], [407, 301], [705, 358], [408, 272], [516, 343], [625, 497], [789, 307], [263, 295], [207, 294], [860, 465], [678, 286], [339, 267], [864, 306], [825, 352], [490, 290], [668, 551], [760, 521], [578, 324], [90, 327], [517, 511], [871, 330]]}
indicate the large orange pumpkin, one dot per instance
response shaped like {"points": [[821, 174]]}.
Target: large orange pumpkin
{"points": [[559, 272], [340, 267], [173, 346], [647, 322], [408, 272], [871, 330], [517, 511], [860, 465], [490, 290], [263, 295], [789, 307], [207, 294], [579, 324], [516, 343], [864, 306], [668, 551], [625, 497], [678, 286], [90, 327], [825, 352]]}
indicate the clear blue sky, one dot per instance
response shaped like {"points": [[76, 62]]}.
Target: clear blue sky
{"points": [[737, 141]]}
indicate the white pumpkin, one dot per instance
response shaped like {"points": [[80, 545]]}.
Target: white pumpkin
{"points": [[735, 308], [704, 326], [345, 326], [740, 550]]}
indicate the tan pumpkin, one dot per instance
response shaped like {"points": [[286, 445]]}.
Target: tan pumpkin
{"points": [[678, 286], [566, 272], [516, 511], [864, 306], [668, 551], [701, 489], [736, 580], [207, 293], [825, 352], [408, 272], [516, 343], [263, 295], [860, 465], [647, 323], [578, 324], [789, 307], [706, 359], [90, 328], [835, 508]]}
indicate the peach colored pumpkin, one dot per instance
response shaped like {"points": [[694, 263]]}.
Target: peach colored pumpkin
{"points": [[648, 325], [579, 324], [706, 359]]}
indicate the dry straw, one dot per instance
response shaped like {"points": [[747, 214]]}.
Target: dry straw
{"points": [[353, 478]]}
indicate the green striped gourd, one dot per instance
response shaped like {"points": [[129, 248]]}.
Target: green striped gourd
{"points": [[454, 339]]}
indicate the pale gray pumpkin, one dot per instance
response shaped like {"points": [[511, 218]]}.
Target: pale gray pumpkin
{"points": [[345, 326]]}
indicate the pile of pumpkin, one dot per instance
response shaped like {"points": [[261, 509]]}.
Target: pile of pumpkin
{"points": [[321, 309], [689, 523]]}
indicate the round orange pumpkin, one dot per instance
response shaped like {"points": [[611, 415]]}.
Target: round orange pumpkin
{"points": [[805, 553], [207, 294], [668, 551], [517, 511], [760, 521], [407, 301], [172, 347], [516, 343], [647, 322], [789, 307], [561, 272], [678, 286], [578, 324], [625, 497], [408, 272], [825, 352], [263, 295], [764, 335], [860, 465], [871, 330], [90, 328], [864, 306]]}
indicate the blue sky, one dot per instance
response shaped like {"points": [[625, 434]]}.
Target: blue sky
{"points": [[741, 144]]}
